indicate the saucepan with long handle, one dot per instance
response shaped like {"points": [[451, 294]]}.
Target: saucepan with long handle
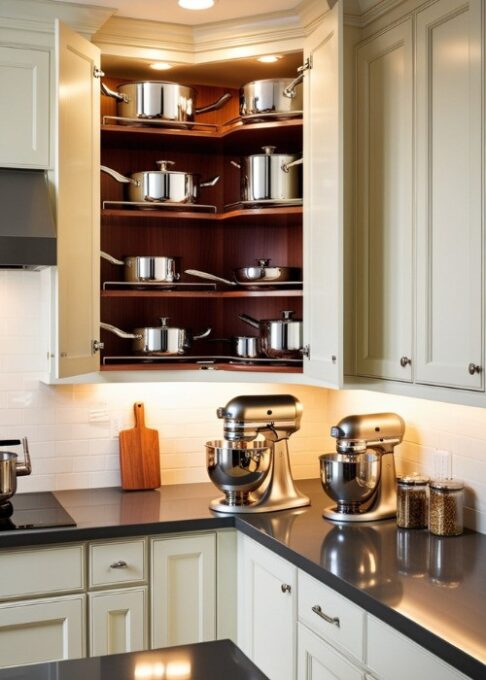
{"points": [[158, 340], [143, 269], [261, 272], [280, 338]]}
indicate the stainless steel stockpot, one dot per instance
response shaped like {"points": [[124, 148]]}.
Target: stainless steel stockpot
{"points": [[280, 338], [270, 176], [158, 340], [159, 99], [11, 468], [140, 269], [163, 185], [278, 95]]}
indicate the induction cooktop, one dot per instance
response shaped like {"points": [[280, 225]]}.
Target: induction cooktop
{"points": [[39, 510]]}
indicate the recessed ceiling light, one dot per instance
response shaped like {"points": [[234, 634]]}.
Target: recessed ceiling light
{"points": [[196, 4], [161, 66], [269, 58]]}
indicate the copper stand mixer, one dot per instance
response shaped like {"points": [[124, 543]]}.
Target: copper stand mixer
{"points": [[255, 475]]}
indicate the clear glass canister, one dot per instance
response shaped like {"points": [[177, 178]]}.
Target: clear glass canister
{"points": [[446, 507], [412, 500]]}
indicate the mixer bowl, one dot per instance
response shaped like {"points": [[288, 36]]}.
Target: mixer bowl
{"points": [[350, 480], [237, 468]]}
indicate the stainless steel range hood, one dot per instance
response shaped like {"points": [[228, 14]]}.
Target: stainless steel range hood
{"points": [[27, 229]]}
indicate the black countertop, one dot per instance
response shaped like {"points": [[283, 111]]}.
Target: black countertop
{"points": [[218, 660], [431, 589]]}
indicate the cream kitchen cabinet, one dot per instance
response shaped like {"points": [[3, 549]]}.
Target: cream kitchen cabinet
{"points": [[317, 660], [118, 621], [25, 107]]}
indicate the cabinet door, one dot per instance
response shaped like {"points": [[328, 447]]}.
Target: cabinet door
{"points": [[449, 194], [323, 200], [267, 610], [319, 661], [117, 621], [183, 598], [78, 202], [384, 205], [42, 630], [24, 107]]}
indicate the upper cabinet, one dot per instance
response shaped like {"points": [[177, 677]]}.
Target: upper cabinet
{"points": [[24, 107]]}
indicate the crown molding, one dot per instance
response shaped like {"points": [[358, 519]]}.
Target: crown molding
{"points": [[37, 16]]}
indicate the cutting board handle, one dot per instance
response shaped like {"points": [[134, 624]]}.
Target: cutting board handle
{"points": [[139, 411]]}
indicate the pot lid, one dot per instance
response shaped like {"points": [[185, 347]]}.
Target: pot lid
{"points": [[287, 317]]}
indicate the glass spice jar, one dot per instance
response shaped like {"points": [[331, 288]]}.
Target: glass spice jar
{"points": [[412, 499], [446, 507]]}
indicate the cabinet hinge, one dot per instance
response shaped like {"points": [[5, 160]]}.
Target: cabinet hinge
{"points": [[305, 351], [98, 73], [306, 66], [96, 345]]}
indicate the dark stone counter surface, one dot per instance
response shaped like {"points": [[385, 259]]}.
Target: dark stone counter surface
{"points": [[431, 589], [217, 660]]}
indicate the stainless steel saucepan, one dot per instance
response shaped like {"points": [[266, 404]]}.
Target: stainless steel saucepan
{"points": [[158, 340], [262, 272], [279, 95], [11, 468], [270, 176], [141, 269], [280, 338], [163, 185], [148, 99]]}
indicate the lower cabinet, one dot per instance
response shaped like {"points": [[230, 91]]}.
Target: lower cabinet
{"points": [[117, 621], [42, 630], [316, 660]]}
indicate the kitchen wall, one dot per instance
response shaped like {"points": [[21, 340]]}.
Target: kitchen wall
{"points": [[72, 429]]}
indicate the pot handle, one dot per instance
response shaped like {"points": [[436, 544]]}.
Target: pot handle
{"points": [[110, 258], [237, 165], [120, 333], [209, 277], [219, 103], [25, 468], [210, 182], [203, 334], [285, 166], [289, 91], [249, 320], [121, 97], [118, 176]]}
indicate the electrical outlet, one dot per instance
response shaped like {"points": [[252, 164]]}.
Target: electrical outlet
{"points": [[442, 464]]}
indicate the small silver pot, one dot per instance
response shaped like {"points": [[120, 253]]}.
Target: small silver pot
{"points": [[163, 185], [271, 96], [159, 99], [159, 340], [138, 269], [11, 468], [270, 176], [280, 338]]}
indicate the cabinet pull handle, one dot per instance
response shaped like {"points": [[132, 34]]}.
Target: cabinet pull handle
{"points": [[334, 620], [405, 361], [121, 564], [285, 588], [474, 368]]}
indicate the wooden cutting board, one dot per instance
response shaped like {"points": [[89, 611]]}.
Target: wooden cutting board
{"points": [[139, 454]]}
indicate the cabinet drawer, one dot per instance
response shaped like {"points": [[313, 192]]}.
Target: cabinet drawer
{"points": [[347, 628], [40, 571], [117, 562], [317, 660]]}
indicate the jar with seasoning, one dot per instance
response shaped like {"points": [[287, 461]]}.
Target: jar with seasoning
{"points": [[412, 501], [446, 507]]}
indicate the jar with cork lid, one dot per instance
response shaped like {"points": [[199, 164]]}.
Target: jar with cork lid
{"points": [[446, 507], [412, 501]]}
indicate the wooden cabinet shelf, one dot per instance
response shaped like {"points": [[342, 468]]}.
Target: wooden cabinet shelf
{"points": [[251, 216], [188, 366], [221, 294]]}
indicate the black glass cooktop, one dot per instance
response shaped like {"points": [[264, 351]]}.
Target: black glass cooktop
{"points": [[34, 511]]}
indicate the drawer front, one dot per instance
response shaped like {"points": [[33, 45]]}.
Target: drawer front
{"points": [[317, 660], [331, 616], [117, 562], [40, 571]]}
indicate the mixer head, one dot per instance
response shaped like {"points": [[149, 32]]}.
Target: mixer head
{"points": [[379, 431], [275, 415]]}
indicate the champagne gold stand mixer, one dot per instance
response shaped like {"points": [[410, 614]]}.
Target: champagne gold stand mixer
{"points": [[361, 477], [255, 475]]}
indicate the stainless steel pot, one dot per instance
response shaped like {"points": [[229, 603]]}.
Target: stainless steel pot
{"points": [[158, 340], [159, 99], [138, 269], [271, 96], [246, 346], [270, 176], [11, 468], [261, 273], [163, 185], [280, 338]]}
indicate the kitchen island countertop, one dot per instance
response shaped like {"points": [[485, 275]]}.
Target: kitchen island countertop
{"points": [[431, 589]]}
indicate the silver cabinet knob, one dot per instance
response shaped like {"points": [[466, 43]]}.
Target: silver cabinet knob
{"points": [[405, 361], [474, 368], [285, 588], [121, 564]]}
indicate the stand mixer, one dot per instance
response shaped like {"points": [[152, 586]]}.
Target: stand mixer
{"points": [[255, 475], [361, 477]]}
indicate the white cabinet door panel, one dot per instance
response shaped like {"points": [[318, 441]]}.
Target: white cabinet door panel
{"points": [[319, 661], [24, 107], [385, 204], [449, 174], [118, 621]]}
